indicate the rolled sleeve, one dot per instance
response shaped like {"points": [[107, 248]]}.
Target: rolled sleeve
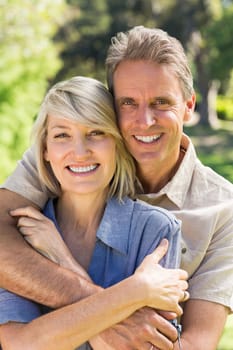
{"points": [[25, 180], [213, 280], [14, 308]]}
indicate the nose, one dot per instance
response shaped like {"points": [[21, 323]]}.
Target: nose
{"points": [[81, 148], [146, 117]]}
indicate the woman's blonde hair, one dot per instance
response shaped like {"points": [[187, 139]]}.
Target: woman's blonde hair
{"points": [[88, 102]]}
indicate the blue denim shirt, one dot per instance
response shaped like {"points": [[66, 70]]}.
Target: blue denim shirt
{"points": [[127, 233]]}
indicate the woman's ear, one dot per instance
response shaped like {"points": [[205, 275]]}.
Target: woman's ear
{"points": [[46, 155]]}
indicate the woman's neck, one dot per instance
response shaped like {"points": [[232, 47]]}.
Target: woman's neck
{"points": [[80, 212], [78, 218]]}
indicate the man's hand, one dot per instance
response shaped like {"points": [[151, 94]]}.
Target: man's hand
{"points": [[144, 328]]}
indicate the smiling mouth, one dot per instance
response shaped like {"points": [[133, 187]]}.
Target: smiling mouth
{"points": [[83, 169], [147, 139]]}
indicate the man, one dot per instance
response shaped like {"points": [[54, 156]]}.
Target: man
{"points": [[152, 85]]}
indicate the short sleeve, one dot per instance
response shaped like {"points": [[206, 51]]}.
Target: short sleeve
{"points": [[24, 180]]}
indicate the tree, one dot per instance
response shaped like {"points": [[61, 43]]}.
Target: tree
{"points": [[206, 30], [28, 59], [87, 34], [83, 39]]}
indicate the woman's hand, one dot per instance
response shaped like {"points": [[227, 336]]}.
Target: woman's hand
{"points": [[164, 288], [41, 233]]}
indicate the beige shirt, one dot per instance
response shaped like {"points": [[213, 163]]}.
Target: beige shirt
{"points": [[200, 198]]}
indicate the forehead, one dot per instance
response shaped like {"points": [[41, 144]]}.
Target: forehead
{"points": [[54, 119], [144, 78]]}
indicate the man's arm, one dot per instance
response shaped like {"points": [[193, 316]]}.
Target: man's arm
{"points": [[203, 324], [28, 273], [202, 321]]}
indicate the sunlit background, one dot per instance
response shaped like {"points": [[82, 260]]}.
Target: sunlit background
{"points": [[42, 42]]}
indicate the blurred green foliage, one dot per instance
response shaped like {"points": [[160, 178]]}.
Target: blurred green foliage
{"points": [[29, 59], [226, 342], [42, 42], [225, 107], [214, 147]]}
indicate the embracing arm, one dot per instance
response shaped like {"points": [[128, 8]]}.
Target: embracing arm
{"points": [[28, 273], [72, 325], [203, 324], [152, 327], [211, 285]]}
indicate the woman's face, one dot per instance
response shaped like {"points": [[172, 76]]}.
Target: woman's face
{"points": [[83, 159]]}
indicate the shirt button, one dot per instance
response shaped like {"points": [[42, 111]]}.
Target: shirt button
{"points": [[183, 250]]}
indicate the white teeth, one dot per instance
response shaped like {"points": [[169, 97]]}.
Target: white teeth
{"points": [[83, 169], [147, 139]]}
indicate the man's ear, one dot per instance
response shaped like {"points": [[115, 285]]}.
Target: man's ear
{"points": [[190, 106]]}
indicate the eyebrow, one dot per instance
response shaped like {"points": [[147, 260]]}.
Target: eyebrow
{"points": [[165, 96], [59, 126], [126, 98]]}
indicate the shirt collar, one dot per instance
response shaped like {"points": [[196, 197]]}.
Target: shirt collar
{"points": [[177, 188], [116, 223]]}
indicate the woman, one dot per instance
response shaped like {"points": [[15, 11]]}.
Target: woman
{"points": [[82, 160]]}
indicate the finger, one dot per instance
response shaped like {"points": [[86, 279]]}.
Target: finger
{"points": [[183, 285], [178, 310], [25, 231], [27, 211], [185, 296], [160, 251], [25, 221], [184, 274], [161, 342], [159, 321], [168, 315]]}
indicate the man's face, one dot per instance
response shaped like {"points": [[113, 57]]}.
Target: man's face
{"points": [[151, 111]]}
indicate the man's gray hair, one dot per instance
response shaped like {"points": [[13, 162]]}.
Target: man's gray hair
{"points": [[150, 44]]}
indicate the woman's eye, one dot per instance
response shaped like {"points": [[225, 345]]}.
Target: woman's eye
{"points": [[96, 133], [61, 135]]}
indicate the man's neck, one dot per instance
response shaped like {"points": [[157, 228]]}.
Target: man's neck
{"points": [[153, 179]]}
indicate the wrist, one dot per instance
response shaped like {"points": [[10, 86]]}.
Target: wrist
{"points": [[137, 291]]}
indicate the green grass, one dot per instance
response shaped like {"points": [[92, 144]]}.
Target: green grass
{"points": [[226, 342], [215, 149]]}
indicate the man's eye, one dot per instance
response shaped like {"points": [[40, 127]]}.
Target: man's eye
{"points": [[128, 102], [161, 101]]}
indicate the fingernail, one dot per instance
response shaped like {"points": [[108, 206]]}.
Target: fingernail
{"points": [[164, 241]]}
